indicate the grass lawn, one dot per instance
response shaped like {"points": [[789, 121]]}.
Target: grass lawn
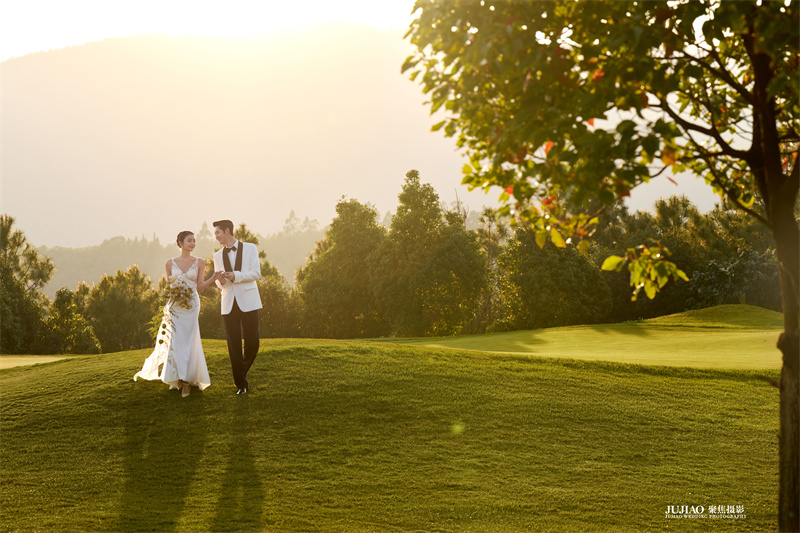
{"points": [[10, 361], [739, 337], [366, 436]]}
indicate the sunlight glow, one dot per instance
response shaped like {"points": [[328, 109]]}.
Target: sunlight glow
{"points": [[27, 27]]}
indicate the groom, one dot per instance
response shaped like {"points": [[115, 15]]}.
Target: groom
{"points": [[238, 262]]}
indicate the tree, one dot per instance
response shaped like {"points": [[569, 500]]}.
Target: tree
{"points": [[23, 272], [452, 281], [429, 271], [21, 317], [676, 225], [561, 101], [281, 312], [549, 286], [23, 260], [67, 330], [337, 283], [492, 235], [748, 278], [120, 309]]}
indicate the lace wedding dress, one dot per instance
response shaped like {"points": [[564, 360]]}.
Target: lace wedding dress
{"points": [[180, 356]]}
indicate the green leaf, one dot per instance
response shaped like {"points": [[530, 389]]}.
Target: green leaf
{"points": [[650, 289], [541, 238], [613, 262], [438, 125], [557, 239]]}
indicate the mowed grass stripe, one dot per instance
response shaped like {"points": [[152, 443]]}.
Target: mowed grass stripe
{"points": [[726, 337], [355, 436]]}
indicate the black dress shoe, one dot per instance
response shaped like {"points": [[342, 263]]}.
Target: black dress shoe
{"points": [[241, 391]]}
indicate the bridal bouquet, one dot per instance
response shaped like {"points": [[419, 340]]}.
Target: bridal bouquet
{"points": [[179, 293]]}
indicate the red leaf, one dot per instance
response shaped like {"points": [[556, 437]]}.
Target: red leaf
{"points": [[547, 146], [590, 122], [597, 75], [510, 190]]}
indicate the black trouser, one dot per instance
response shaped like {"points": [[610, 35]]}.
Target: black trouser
{"points": [[240, 324]]}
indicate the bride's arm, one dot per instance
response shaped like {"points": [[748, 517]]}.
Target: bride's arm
{"points": [[201, 270], [168, 266]]}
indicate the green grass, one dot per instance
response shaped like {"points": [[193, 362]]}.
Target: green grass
{"points": [[735, 337], [365, 436]]}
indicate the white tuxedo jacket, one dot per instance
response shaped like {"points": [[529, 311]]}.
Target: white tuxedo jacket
{"points": [[243, 288]]}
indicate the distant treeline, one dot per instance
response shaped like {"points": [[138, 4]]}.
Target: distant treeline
{"points": [[287, 250], [428, 270]]}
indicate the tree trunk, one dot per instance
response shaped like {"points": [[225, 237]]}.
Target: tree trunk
{"points": [[779, 192], [787, 238]]}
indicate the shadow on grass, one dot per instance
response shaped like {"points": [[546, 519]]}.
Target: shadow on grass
{"points": [[164, 443], [240, 504], [628, 328]]}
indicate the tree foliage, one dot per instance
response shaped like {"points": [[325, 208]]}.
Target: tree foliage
{"points": [[549, 286], [559, 102], [337, 283], [428, 268], [492, 234], [67, 330], [28, 321], [120, 309], [22, 259], [21, 317]]}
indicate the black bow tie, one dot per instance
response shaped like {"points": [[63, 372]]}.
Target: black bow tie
{"points": [[230, 249]]}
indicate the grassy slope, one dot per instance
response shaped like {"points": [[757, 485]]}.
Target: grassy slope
{"points": [[724, 337], [355, 436]]}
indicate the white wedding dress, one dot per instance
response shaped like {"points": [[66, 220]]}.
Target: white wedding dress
{"points": [[181, 355]]}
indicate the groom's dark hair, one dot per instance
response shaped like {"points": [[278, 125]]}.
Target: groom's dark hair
{"points": [[224, 225]]}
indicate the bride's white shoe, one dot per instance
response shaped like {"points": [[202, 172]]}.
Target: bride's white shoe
{"points": [[185, 390]]}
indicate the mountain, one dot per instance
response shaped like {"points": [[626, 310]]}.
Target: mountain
{"points": [[154, 134]]}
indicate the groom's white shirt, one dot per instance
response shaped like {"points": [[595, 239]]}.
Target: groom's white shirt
{"points": [[243, 287]]}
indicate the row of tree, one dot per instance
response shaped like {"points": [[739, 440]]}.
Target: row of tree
{"points": [[430, 275], [426, 274], [286, 249]]}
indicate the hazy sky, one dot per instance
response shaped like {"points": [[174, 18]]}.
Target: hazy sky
{"points": [[28, 26]]}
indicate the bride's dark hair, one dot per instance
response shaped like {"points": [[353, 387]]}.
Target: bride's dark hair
{"points": [[181, 236]]}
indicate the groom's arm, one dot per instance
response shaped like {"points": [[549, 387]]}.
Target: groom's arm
{"points": [[251, 269]]}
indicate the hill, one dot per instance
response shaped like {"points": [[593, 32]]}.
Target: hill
{"points": [[725, 337], [357, 436]]}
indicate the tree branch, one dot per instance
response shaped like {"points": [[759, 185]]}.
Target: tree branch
{"points": [[723, 74], [716, 180], [711, 132]]}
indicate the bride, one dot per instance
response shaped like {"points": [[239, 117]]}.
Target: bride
{"points": [[178, 347]]}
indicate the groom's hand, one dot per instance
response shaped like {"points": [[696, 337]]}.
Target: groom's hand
{"points": [[229, 275]]}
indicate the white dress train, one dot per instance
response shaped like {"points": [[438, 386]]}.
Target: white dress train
{"points": [[180, 356]]}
